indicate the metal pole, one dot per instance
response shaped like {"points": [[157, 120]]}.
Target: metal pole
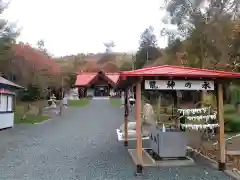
{"points": [[133, 61]]}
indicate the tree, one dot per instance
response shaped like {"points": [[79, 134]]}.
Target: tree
{"points": [[207, 32], [204, 28], [33, 68], [40, 44], [41, 47], [126, 66], [8, 34], [148, 49]]}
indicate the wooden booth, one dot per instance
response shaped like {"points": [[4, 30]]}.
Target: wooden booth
{"points": [[7, 101], [174, 78]]}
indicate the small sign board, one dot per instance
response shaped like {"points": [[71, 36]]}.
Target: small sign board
{"points": [[179, 85]]}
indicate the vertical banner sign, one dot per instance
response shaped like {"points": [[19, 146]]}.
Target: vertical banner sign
{"points": [[179, 85]]}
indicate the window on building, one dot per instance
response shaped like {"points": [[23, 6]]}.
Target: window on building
{"points": [[10, 103], [6, 103], [3, 106]]}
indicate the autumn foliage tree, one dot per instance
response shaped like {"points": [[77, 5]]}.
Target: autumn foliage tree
{"points": [[90, 67], [33, 68]]}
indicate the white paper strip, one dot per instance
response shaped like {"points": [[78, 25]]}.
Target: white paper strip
{"points": [[178, 85], [193, 111], [199, 126], [200, 118]]}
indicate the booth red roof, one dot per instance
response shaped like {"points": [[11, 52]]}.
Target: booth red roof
{"points": [[180, 71], [85, 78], [4, 91]]}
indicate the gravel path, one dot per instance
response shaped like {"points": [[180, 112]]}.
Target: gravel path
{"points": [[81, 145]]}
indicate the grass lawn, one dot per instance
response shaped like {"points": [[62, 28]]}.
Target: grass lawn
{"points": [[29, 117], [78, 103], [115, 102]]}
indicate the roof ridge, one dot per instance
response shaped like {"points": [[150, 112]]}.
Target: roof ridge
{"points": [[180, 67], [204, 69], [144, 69], [168, 70], [80, 73]]}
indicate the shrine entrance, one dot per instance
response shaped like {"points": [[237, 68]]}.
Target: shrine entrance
{"points": [[101, 90]]}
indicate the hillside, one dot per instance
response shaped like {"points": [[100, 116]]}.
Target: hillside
{"points": [[110, 62]]}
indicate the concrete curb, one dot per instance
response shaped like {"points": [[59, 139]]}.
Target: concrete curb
{"points": [[234, 173]]}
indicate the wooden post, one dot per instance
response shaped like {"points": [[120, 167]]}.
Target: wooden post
{"points": [[126, 117], [220, 113], [138, 127]]}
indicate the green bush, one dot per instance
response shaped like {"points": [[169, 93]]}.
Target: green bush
{"points": [[32, 93], [232, 123], [235, 95]]}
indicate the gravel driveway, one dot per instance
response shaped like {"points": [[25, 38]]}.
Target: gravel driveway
{"points": [[81, 145]]}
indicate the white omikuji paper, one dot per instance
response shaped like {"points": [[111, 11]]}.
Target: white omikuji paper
{"points": [[179, 85], [199, 126], [193, 111]]}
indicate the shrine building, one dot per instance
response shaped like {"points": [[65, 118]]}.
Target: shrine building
{"points": [[91, 84]]}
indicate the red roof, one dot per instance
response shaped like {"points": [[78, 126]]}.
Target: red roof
{"points": [[85, 78], [180, 71], [113, 76]]}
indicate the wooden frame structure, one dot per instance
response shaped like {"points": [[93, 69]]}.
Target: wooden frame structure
{"points": [[166, 72]]}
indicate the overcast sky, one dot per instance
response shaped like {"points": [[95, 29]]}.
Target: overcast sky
{"points": [[74, 26]]}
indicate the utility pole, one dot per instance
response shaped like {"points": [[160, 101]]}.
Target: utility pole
{"points": [[133, 67], [147, 55]]}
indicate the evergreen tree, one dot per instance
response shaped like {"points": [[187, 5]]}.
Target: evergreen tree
{"points": [[148, 49]]}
